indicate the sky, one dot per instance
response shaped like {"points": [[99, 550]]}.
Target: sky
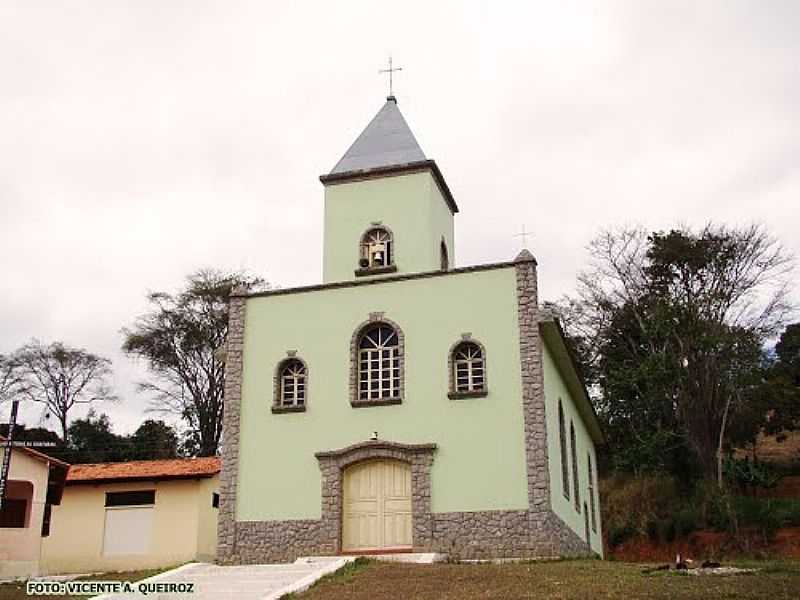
{"points": [[142, 140]]}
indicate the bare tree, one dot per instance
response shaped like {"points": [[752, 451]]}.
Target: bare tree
{"points": [[60, 377], [12, 381]]}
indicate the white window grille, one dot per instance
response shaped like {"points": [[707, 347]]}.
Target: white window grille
{"points": [[379, 363], [293, 383], [468, 368]]}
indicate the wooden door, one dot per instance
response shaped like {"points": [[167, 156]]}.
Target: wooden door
{"points": [[376, 512]]}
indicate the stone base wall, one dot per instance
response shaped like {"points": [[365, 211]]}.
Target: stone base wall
{"points": [[504, 534], [461, 535], [484, 534], [276, 541]]}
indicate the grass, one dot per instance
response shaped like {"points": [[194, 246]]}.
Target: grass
{"points": [[562, 580], [345, 575], [16, 590]]}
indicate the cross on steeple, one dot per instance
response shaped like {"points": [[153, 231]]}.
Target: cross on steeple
{"points": [[524, 235], [390, 70]]}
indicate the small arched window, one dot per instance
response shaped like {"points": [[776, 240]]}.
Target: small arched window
{"points": [[291, 386], [379, 364], [377, 249], [467, 370], [575, 484], [591, 491], [444, 257], [562, 438]]}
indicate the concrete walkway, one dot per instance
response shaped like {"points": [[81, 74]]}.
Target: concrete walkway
{"points": [[247, 582]]}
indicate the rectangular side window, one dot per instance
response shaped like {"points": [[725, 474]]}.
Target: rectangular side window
{"points": [[137, 498]]}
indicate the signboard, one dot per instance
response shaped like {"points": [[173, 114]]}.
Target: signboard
{"points": [[7, 454]]}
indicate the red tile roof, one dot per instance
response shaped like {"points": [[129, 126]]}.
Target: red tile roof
{"points": [[177, 468]]}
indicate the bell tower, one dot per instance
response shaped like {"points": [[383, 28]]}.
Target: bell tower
{"points": [[388, 209]]}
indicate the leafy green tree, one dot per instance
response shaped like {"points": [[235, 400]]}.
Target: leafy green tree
{"points": [[182, 339], [787, 351], [674, 324], [91, 440], [153, 440]]}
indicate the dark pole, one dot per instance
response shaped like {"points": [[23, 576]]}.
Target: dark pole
{"points": [[7, 454]]}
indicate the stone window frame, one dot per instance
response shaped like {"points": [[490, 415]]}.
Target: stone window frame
{"points": [[277, 400], [574, 453], [390, 267], [376, 318], [334, 463], [562, 441], [452, 391]]}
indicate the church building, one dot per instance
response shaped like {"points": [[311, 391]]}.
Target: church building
{"points": [[405, 403]]}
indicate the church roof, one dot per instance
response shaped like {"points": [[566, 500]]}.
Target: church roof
{"points": [[387, 141]]}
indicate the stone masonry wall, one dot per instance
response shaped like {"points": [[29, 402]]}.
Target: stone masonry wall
{"points": [[226, 523]]}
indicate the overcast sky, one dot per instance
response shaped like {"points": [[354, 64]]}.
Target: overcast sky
{"points": [[142, 140]]}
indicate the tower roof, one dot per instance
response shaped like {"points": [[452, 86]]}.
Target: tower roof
{"points": [[387, 141]]}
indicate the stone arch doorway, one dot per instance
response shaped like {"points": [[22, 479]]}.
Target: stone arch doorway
{"points": [[376, 506], [335, 466]]}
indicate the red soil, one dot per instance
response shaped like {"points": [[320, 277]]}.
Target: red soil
{"points": [[703, 545]]}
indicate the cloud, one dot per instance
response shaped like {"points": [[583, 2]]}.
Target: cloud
{"points": [[142, 140]]}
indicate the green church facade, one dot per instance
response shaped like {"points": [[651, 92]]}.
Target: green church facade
{"points": [[403, 404]]}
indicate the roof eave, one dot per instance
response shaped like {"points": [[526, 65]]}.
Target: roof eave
{"points": [[553, 334], [393, 171], [140, 478]]}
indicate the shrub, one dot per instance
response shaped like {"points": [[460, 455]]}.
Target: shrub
{"points": [[667, 530], [618, 535], [651, 529], [634, 501], [685, 522], [768, 515], [750, 475]]}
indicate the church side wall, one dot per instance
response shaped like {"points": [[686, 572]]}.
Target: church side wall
{"points": [[410, 205], [480, 460], [564, 508]]}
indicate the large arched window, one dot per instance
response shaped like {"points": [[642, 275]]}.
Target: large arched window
{"points": [[379, 364], [377, 249], [291, 386], [575, 483], [467, 369], [562, 438]]}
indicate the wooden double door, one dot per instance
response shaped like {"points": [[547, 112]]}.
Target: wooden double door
{"points": [[376, 508]]}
